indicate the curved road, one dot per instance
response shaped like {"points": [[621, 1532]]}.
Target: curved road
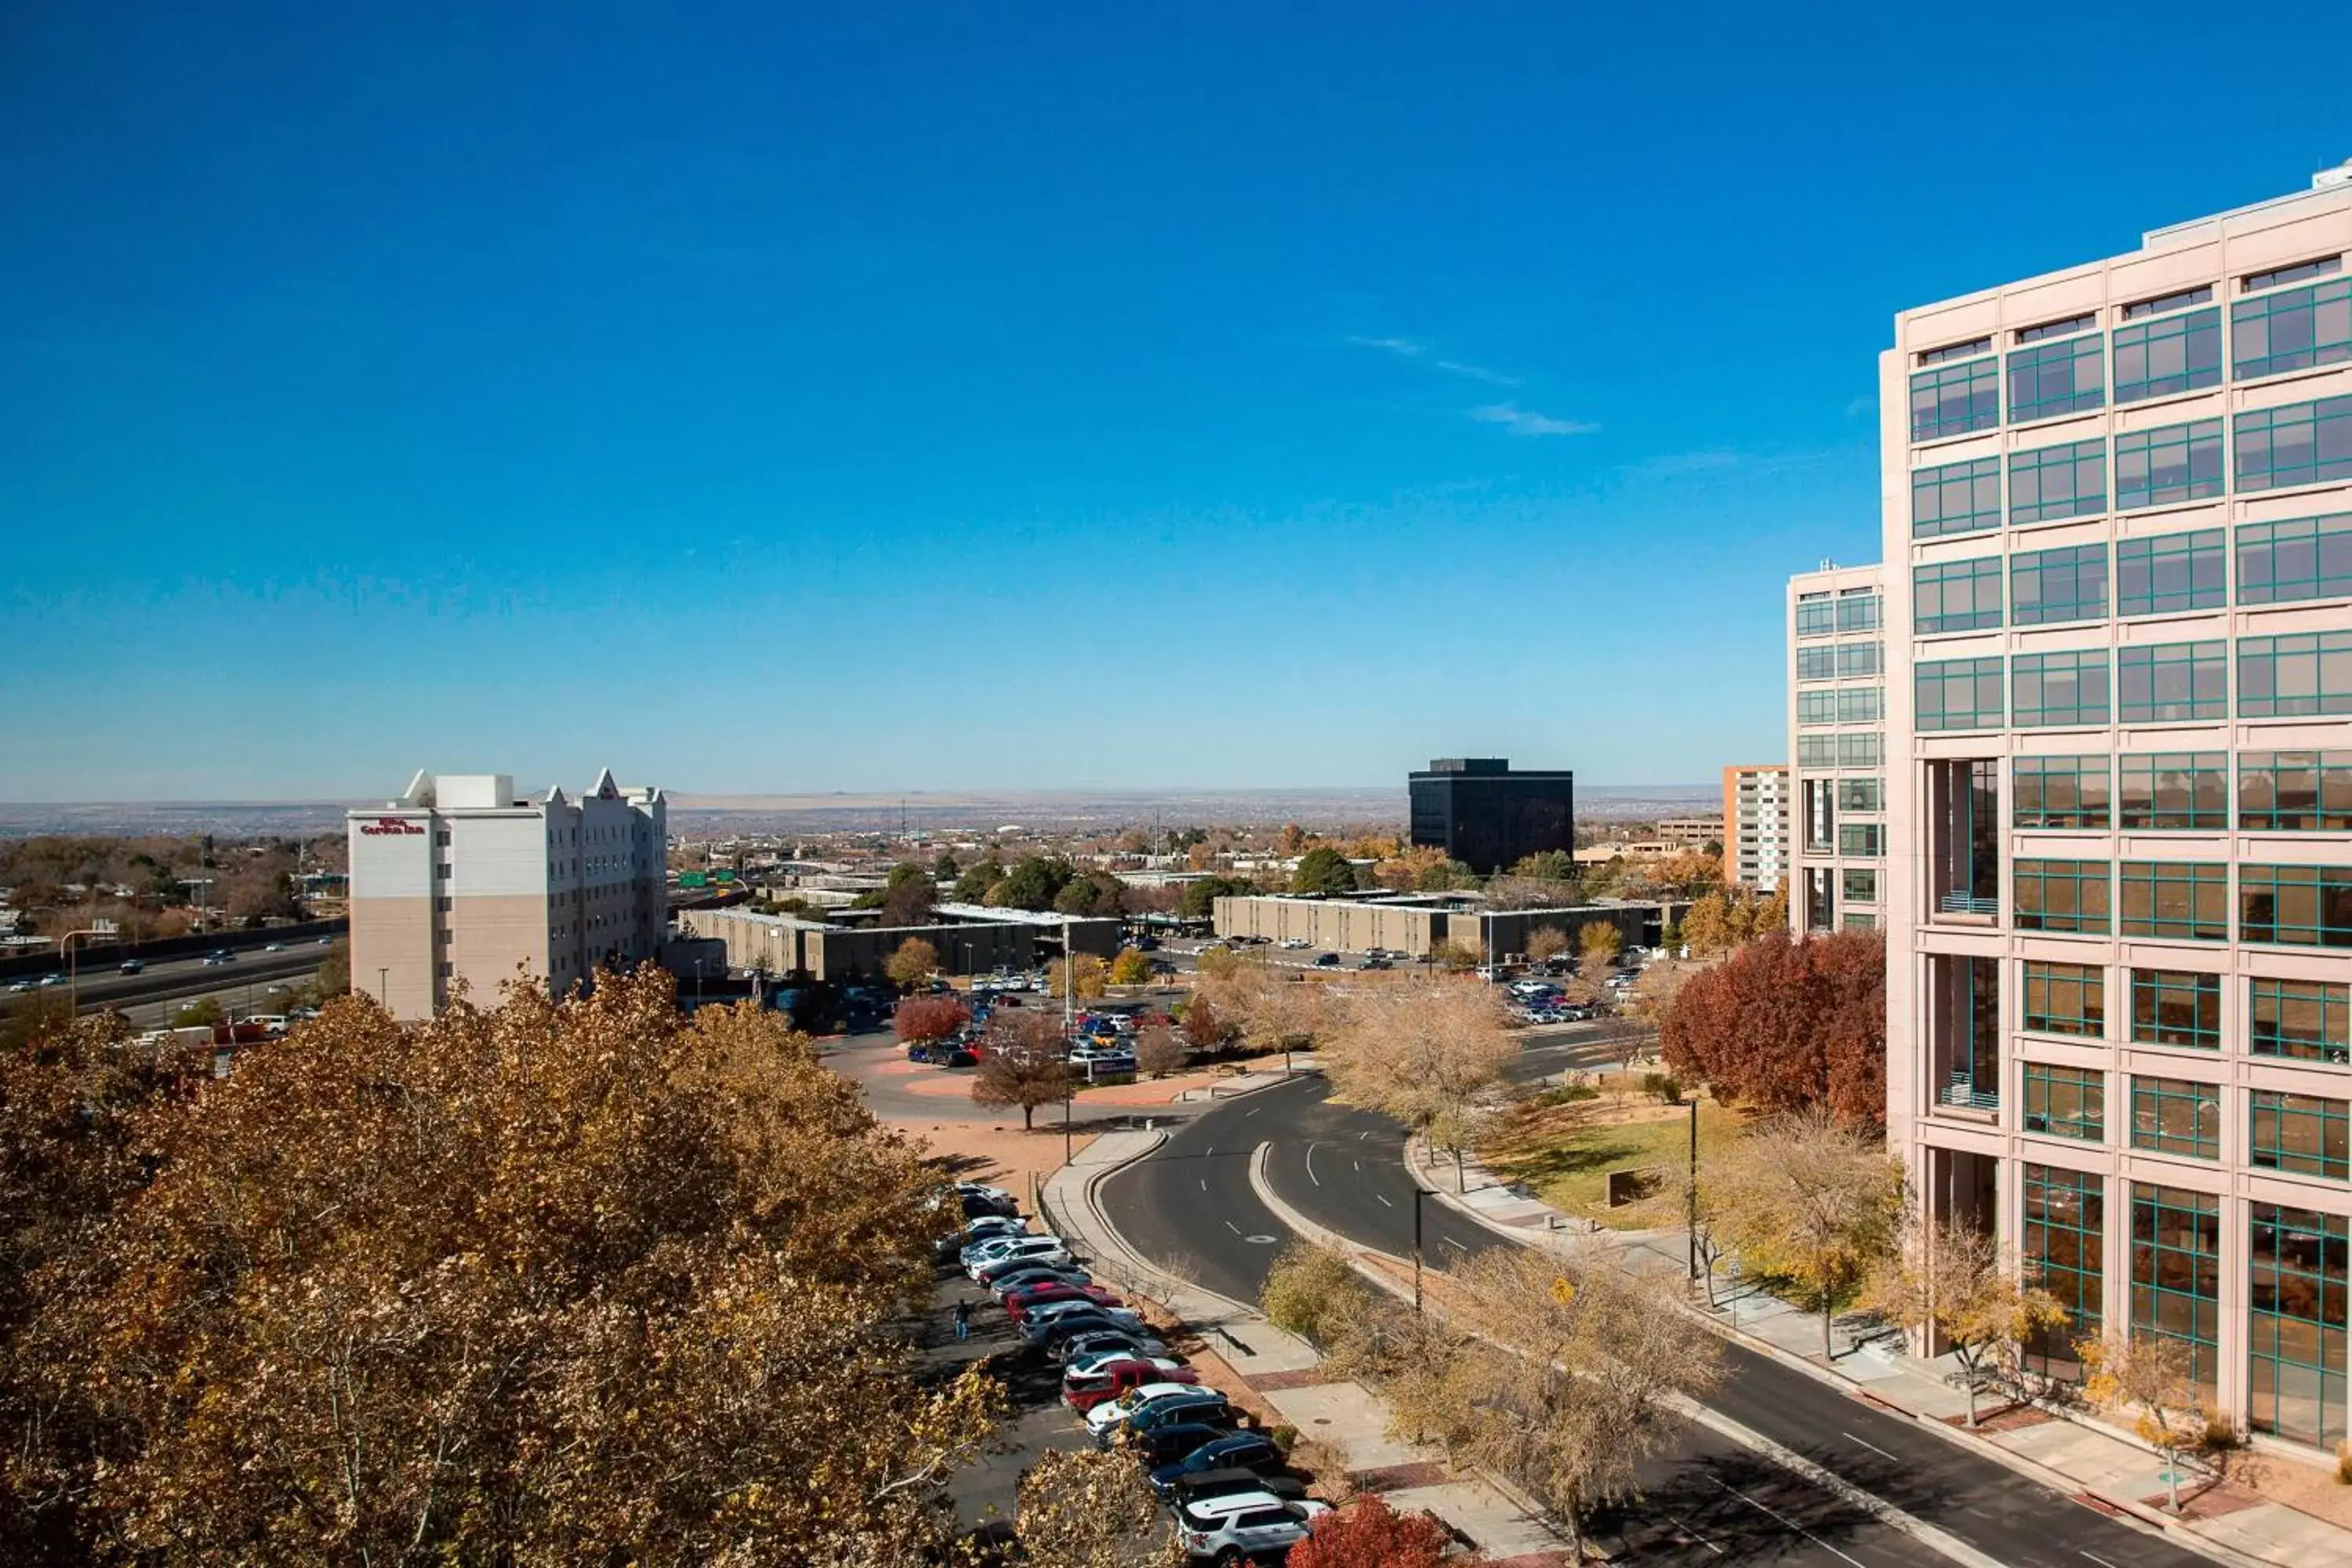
{"points": [[1710, 1500]]}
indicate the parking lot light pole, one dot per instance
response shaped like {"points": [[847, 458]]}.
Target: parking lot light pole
{"points": [[1068, 1089]]}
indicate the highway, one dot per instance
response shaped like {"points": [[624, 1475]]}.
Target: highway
{"points": [[145, 997], [1711, 1500]]}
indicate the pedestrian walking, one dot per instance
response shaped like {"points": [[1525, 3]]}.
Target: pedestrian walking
{"points": [[963, 1319]]}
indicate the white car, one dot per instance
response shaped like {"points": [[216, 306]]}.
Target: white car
{"points": [[1087, 1365], [1047, 1249], [1101, 1417], [1242, 1525]]}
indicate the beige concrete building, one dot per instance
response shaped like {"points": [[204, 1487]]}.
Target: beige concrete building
{"points": [[969, 939], [461, 881], [2117, 503], [1413, 923], [1694, 832], [1837, 737], [1754, 829]]}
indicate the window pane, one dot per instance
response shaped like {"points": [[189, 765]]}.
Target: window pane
{"points": [[2172, 681], [2163, 466], [2175, 900], [2050, 585], [2176, 1007], [2051, 378], [2304, 1020], [2053, 482], [2066, 998], [2176, 572], [2157, 359], [2303, 558], [2175, 792], [1953, 399], [1957, 694], [2295, 906], [2306, 672], [1955, 597], [2063, 896], [2059, 688], [1956, 497], [2295, 792], [2294, 329], [2301, 444], [2176, 1116], [2060, 792]]}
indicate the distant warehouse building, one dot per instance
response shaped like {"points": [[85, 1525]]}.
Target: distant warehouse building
{"points": [[462, 881], [1417, 922], [971, 939], [1486, 817]]}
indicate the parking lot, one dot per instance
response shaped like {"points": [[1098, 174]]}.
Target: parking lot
{"points": [[1121, 1361]]}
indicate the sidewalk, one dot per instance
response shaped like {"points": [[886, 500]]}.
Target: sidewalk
{"points": [[2072, 1455], [1282, 1370]]}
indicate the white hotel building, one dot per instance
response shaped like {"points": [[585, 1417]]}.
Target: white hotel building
{"points": [[2117, 886], [460, 879]]}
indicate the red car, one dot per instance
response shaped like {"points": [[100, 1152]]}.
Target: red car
{"points": [[1082, 1391], [1019, 1302]]}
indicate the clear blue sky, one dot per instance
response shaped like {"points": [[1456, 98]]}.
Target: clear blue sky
{"points": [[1023, 396]]}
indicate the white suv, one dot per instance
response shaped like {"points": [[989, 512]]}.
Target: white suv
{"points": [[1242, 1526]]}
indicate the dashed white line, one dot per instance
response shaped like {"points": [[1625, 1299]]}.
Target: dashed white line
{"points": [[1252, 1110], [1695, 1535], [1310, 1166], [1792, 1523], [1204, 1183], [2102, 1562], [1209, 1151], [1872, 1446], [1231, 1226], [1384, 1198]]}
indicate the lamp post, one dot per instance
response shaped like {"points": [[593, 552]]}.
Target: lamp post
{"points": [[72, 957], [1690, 1187], [1419, 1194], [384, 986], [1068, 1088]]}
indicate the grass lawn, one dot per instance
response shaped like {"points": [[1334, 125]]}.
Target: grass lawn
{"points": [[1566, 1151]]}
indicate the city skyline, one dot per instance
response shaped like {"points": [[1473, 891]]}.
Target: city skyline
{"points": [[975, 402]]}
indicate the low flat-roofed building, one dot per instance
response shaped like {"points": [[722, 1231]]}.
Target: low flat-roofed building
{"points": [[1416, 923], [971, 939]]}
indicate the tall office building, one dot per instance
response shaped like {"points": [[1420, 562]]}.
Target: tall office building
{"points": [[2117, 505], [1837, 737], [1486, 817], [460, 879], [1756, 826]]}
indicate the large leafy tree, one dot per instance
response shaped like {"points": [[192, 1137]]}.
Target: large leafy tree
{"points": [[1035, 881], [553, 1282], [1783, 1025], [1323, 870]]}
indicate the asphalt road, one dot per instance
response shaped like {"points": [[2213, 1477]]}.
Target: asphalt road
{"points": [[101, 984], [1710, 1500]]}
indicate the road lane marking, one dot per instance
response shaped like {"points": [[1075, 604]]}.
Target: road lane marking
{"points": [[1310, 1166], [1252, 1110], [1204, 1183], [1872, 1446], [1785, 1519], [2102, 1562], [1359, 1165], [1209, 1151], [1367, 1133], [1231, 1226], [1384, 1198], [1695, 1535]]}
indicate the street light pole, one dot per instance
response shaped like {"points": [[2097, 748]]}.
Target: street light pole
{"points": [[1419, 1193], [1066, 1091], [1690, 1188], [384, 986]]}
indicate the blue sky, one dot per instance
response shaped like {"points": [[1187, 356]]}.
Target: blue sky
{"points": [[896, 397]]}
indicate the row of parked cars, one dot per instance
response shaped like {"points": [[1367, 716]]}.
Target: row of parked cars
{"points": [[1224, 1482]]}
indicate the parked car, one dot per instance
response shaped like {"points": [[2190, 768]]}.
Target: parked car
{"points": [[1169, 1445], [1043, 1331], [1047, 1249], [1202, 1485], [1242, 1526], [1252, 1451], [949, 1247], [1083, 1390], [1021, 1303], [1051, 1312], [1166, 1408], [1142, 1397], [1085, 1340], [1023, 1278]]}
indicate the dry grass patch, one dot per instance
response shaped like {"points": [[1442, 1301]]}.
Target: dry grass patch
{"points": [[1565, 1149]]}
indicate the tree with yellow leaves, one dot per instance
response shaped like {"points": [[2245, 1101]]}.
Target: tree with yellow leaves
{"points": [[1130, 968], [1092, 977], [556, 1281], [1953, 1279], [1088, 1509], [1429, 1053], [1804, 1196], [2150, 1378]]}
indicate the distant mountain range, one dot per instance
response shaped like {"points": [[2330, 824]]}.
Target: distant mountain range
{"points": [[844, 812]]}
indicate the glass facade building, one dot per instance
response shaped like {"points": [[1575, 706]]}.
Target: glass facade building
{"points": [[2115, 829]]}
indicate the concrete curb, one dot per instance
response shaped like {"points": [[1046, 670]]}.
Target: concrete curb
{"points": [[2135, 1512]]}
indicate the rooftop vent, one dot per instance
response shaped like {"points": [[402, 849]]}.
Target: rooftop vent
{"points": [[2329, 179]]}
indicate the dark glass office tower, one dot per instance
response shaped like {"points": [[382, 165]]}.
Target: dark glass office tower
{"points": [[1486, 817]]}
